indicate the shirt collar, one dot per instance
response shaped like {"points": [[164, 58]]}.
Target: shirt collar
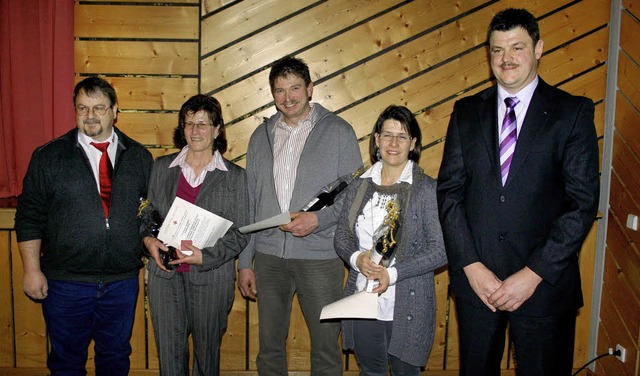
{"points": [[523, 95], [216, 162], [375, 173], [86, 142], [308, 122]]}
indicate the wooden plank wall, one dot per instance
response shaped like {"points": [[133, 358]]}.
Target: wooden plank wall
{"points": [[620, 305], [363, 55]]}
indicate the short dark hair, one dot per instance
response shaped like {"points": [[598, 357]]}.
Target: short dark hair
{"points": [[94, 84], [511, 18], [212, 107], [286, 66], [409, 124]]}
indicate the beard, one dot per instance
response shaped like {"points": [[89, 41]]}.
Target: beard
{"points": [[92, 127]]}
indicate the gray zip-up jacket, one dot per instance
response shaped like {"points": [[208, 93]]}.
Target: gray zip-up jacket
{"points": [[331, 151]]}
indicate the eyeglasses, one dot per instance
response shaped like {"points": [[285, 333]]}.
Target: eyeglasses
{"points": [[199, 126], [400, 138], [98, 110]]}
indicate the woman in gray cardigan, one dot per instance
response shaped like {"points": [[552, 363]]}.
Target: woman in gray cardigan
{"points": [[196, 297], [402, 335]]}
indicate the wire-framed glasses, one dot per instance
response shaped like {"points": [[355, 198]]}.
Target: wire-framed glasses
{"points": [[98, 110]]}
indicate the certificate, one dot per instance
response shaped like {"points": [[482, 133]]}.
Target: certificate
{"points": [[361, 305], [186, 221], [280, 219]]}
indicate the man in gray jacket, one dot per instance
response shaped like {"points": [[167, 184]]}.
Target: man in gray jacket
{"points": [[290, 158]]}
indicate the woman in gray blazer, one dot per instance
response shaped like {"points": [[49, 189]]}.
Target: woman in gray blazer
{"points": [[193, 294], [401, 336]]}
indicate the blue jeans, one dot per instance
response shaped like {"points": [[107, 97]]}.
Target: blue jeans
{"points": [[78, 312]]}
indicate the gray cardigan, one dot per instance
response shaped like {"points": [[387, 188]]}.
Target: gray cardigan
{"points": [[420, 251], [331, 151], [222, 193]]}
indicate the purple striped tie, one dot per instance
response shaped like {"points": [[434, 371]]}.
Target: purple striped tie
{"points": [[508, 135]]}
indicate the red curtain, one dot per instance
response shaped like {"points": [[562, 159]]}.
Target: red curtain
{"points": [[36, 82]]}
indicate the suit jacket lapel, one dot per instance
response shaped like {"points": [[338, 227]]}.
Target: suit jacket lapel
{"points": [[535, 120], [212, 178], [488, 120]]}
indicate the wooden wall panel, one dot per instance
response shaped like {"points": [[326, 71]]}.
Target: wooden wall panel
{"points": [[106, 21], [7, 356], [629, 31], [629, 79], [235, 23], [153, 93], [620, 305], [242, 58], [30, 332], [133, 57]]}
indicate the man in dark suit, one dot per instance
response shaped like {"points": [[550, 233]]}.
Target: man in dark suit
{"points": [[517, 193]]}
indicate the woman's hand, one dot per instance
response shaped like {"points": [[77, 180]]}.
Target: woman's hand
{"points": [[194, 259], [383, 281], [155, 246], [367, 267]]}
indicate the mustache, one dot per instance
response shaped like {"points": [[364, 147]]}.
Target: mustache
{"points": [[508, 65], [91, 121]]}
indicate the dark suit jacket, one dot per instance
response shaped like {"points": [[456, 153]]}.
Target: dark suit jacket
{"points": [[541, 216]]}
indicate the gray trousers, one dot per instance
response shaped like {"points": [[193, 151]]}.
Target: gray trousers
{"points": [[317, 283], [179, 309]]}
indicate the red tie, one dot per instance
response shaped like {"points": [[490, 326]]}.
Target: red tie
{"points": [[105, 173]]}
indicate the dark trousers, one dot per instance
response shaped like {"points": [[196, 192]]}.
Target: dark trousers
{"points": [[317, 283], [77, 312], [371, 342], [543, 345]]}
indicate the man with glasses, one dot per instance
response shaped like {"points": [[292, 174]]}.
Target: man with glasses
{"points": [[78, 234]]}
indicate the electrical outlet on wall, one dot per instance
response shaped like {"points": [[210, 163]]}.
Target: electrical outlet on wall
{"points": [[623, 353]]}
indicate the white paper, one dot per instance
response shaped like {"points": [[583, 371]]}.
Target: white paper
{"points": [[361, 305], [280, 219], [186, 221]]}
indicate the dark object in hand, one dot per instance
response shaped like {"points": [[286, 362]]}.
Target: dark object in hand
{"points": [[152, 221], [168, 256], [328, 194]]}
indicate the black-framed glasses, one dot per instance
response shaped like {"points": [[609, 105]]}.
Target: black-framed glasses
{"points": [[98, 110]]}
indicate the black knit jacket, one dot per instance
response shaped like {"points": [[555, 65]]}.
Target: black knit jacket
{"points": [[60, 205]]}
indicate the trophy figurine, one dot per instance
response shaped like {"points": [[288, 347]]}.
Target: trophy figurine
{"points": [[384, 240], [152, 221]]}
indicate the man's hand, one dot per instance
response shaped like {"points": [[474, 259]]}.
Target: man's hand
{"points": [[482, 281], [35, 285], [515, 290], [247, 284], [155, 246], [302, 224]]}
